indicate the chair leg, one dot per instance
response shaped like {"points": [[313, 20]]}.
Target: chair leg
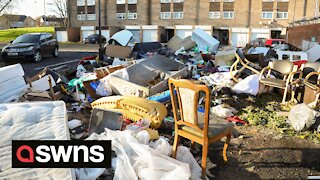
{"points": [[284, 95], [175, 145], [192, 145], [204, 159], [226, 144]]}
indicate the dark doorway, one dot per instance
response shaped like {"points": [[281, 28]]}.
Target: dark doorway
{"points": [[169, 33], [275, 34]]}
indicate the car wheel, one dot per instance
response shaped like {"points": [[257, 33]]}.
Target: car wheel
{"points": [[55, 52], [37, 56]]}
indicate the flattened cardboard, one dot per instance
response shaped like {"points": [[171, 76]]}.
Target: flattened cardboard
{"points": [[121, 52]]}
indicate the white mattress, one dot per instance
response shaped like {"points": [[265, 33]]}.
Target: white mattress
{"points": [[32, 121]]}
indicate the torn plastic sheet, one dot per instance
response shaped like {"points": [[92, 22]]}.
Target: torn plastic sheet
{"points": [[138, 161], [184, 155]]}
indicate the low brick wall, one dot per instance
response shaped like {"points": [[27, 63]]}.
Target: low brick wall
{"points": [[305, 32]]}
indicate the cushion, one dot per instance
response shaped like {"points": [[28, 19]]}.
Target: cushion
{"points": [[216, 126]]}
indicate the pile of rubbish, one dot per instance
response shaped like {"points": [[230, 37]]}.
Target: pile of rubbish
{"points": [[125, 98]]}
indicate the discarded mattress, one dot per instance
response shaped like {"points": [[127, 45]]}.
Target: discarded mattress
{"points": [[12, 83], [205, 41], [147, 77], [32, 121], [122, 37]]}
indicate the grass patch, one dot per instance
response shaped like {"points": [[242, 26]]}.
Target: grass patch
{"points": [[7, 35], [262, 112]]}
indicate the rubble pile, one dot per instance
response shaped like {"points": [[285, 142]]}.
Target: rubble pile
{"points": [[125, 98]]}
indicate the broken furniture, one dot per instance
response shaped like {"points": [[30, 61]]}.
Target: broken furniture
{"points": [[101, 119], [176, 43], [12, 83], [133, 108], [121, 52], [148, 77], [309, 80], [244, 64], [32, 121], [190, 124], [292, 55], [286, 70]]}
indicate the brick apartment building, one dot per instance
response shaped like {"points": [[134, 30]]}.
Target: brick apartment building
{"points": [[233, 22]]}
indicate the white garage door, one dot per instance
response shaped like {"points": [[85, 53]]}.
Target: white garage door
{"points": [[182, 33], [62, 36], [104, 33], [150, 35], [239, 39], [258, 35], [86, 33]]}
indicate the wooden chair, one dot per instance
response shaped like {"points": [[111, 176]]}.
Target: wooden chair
{"points": [[285, 68], [245, 64], [193, 125]]}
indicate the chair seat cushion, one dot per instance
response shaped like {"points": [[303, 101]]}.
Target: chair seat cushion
{"points": [[273, 82], [216, 126]]}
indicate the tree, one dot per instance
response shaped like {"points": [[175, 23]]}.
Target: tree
{"points": [[61, 10], [4, 5]]}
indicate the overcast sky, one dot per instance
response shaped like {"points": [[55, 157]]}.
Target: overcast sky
{"points": [[33, 8]]}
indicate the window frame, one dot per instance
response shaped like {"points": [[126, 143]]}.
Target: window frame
{"points": [[229, 12], [165, 13], [123, 16], [212, 16], [283, 13], [265, 12]]}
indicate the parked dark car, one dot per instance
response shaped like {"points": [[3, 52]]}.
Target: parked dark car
{"points": [[94, 39], [33, 46]]}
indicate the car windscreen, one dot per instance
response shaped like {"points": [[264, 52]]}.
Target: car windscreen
{"points": [[27, 39]]}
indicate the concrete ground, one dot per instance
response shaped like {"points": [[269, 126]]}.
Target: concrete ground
{"points": [[69, 54]]}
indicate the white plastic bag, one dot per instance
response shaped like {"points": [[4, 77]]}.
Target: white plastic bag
{"points": [[89, 173], [162, 145], [250, 85], [302, 117], [104, 89], [143, 137], [137, 160], [184, 155], [223, 112]]}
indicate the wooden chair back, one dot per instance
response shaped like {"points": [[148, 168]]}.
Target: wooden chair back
{"points": [[185, 104]]}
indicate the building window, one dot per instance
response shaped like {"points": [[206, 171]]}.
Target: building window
{"points": [[81, 2], [178, 15], [228, 0], [282, 15], [177, 1], [121, 1], [121, 15], [228, 15], [165, 1], [132, 15], [132, 1], [214, 15], [165, 15], [91, 17], [91, 2], [81, 17], [267, 15]]}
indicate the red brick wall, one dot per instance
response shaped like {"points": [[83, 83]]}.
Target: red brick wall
{"points": [[306, 32]]}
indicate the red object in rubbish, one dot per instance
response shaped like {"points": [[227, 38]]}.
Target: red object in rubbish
{"points": [[236, 119], [89, 58], [299, 63]]}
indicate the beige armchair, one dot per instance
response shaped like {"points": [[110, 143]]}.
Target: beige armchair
{"points": [[285, 68]]}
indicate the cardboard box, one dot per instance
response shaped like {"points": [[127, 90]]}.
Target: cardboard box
{"points": [[148, 77]]}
